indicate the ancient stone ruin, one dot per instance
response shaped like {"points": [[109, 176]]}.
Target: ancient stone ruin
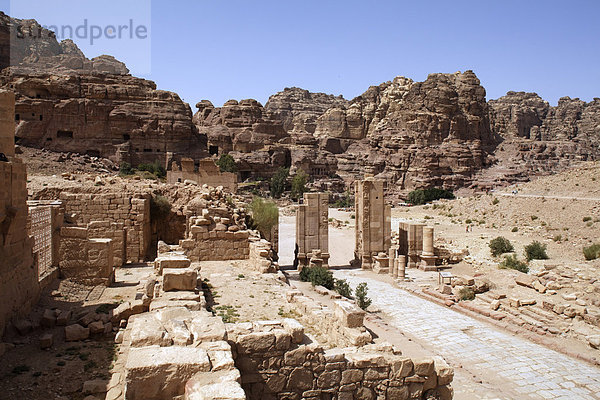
{"points": [[373, 225], [312, 231], [202, 172]]}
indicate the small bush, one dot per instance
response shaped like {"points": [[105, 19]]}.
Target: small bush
{"points": [[468, 221], [534, 217], [361, 296], [500, 245], [278, 180], [512, 262], [318, 276], [125, 169], [265, 215], [557, 238], [226, 163], [155, 169], [299, 184], [466, 293], [423, 196], [591, 252], [586, 219], [514, 229], [343, 288], [495, 201], [160, 208], [536, 251]]}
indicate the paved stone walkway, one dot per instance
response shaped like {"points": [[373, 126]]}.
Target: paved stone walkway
{"points": [[524, 369]]}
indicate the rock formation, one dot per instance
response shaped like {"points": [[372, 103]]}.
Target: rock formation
{"points": [[440, 132], [66, 102]]}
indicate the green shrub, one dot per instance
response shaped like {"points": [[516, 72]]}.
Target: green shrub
{"points": [[345, 201], [534, 217], [361, 296], [343, 288], [318, 276], [512, 262], [557, 238], [500, 245], [278, 180], [514, 229], [592, 252], [495, 201], [299, 184], [468, 221], [536, 251], [125, 169], [466, 293], [226, 163], [155, 169], [586, 219], [160, 208], [265, 215], [422, 196]]}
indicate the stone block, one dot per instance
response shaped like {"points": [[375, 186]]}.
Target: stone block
{"points": [[257, 342], [46, 340], [48, 318], [63, 318], [222, 385], [205, 328], [349, 314], [179, 279], [96, 327], [526, 280], [76, 332], [161, 373], [295, 329]]}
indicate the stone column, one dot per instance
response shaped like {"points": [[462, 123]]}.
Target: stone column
{"points": [[392, 256], [427, 241], [401, 271], [428, 257]]}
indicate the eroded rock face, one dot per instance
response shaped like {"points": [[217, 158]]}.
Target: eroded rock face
{"points": [[517, 113], [67, 102]]}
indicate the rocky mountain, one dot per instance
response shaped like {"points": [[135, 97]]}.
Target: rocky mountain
{"points": [[66, 102], [440, 132]]}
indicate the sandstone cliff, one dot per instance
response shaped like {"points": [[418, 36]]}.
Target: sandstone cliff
{"points": [[66, 102]]}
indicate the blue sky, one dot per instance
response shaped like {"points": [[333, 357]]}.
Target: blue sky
{"points": [[220, 50]]}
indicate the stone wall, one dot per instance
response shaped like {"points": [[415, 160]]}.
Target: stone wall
{"points": [[43, 223], [312, 235], [85, 259], [115, 231], [275, 363], [19, 287], [340, 326], [120, 208], [202, 172], [373, 221]]}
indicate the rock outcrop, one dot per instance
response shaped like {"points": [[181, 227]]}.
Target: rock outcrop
{"points": [[432, 133], [66, 102]]}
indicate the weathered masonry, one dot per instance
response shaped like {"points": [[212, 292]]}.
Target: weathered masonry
{"points": [[202, 172], [19, 287], [312, 236], [373, 224]]}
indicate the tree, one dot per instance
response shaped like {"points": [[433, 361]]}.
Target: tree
{"points": [[361, 296], [278, 182], [500, 245], [265, 215], [226, 163], [422, 196], [299, 184]]}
